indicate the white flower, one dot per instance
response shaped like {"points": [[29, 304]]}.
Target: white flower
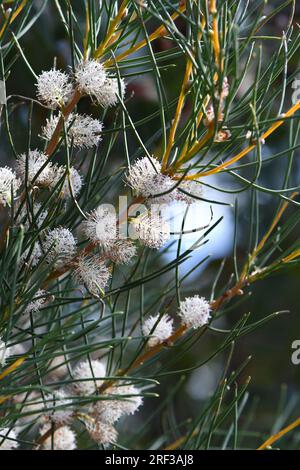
{"points": [[110, 410], [9, 184], [121, 252], [193, 189], [109, 92], [88, 376], [194, 311], [54, 88], [35, 253], [36, 160], [92, 273], [62, 438], [102, 433], [151, 229], [8, 439], [90, 76], [38, 301], [162, 331], [75, 181], [60, 246], [5, 352], [83, 131], [146, 179], [101, 226], [58, 408]]}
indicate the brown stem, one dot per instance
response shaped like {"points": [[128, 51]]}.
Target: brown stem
{"points": [[65, 113]]}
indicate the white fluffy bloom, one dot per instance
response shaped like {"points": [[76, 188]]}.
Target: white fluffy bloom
{"points": [[92, 273], [84, 131], [60, 246], [108, 93], [193, 188], [34, 256], [101, 226], [8, 439], [110, 410], [121, 252], [146, 179], [9, 183], [75, 180], [38, 301], [54, 88], [194, 311], [162, 331], [90, 76], [36, 160], [88, 376], [101, 432], [62, 438], [58, 408], [76, 183], [151, 229], [5, 352]]}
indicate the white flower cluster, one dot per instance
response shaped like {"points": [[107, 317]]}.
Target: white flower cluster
{"points": [[93, 80], [88, 376], [121, 251], [193, 311], [54, 88], [158, 328], [92, 273], [38, 301], [8, 439], [151, 229], [60, 246], [58, 408], [147, 180], [39, 171], [9, 185], [62, 438], [117, 401], [83, 131], [57, 416], [101, 432], [121, 399], [32, 255], [101, 229], [101, 226]]}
